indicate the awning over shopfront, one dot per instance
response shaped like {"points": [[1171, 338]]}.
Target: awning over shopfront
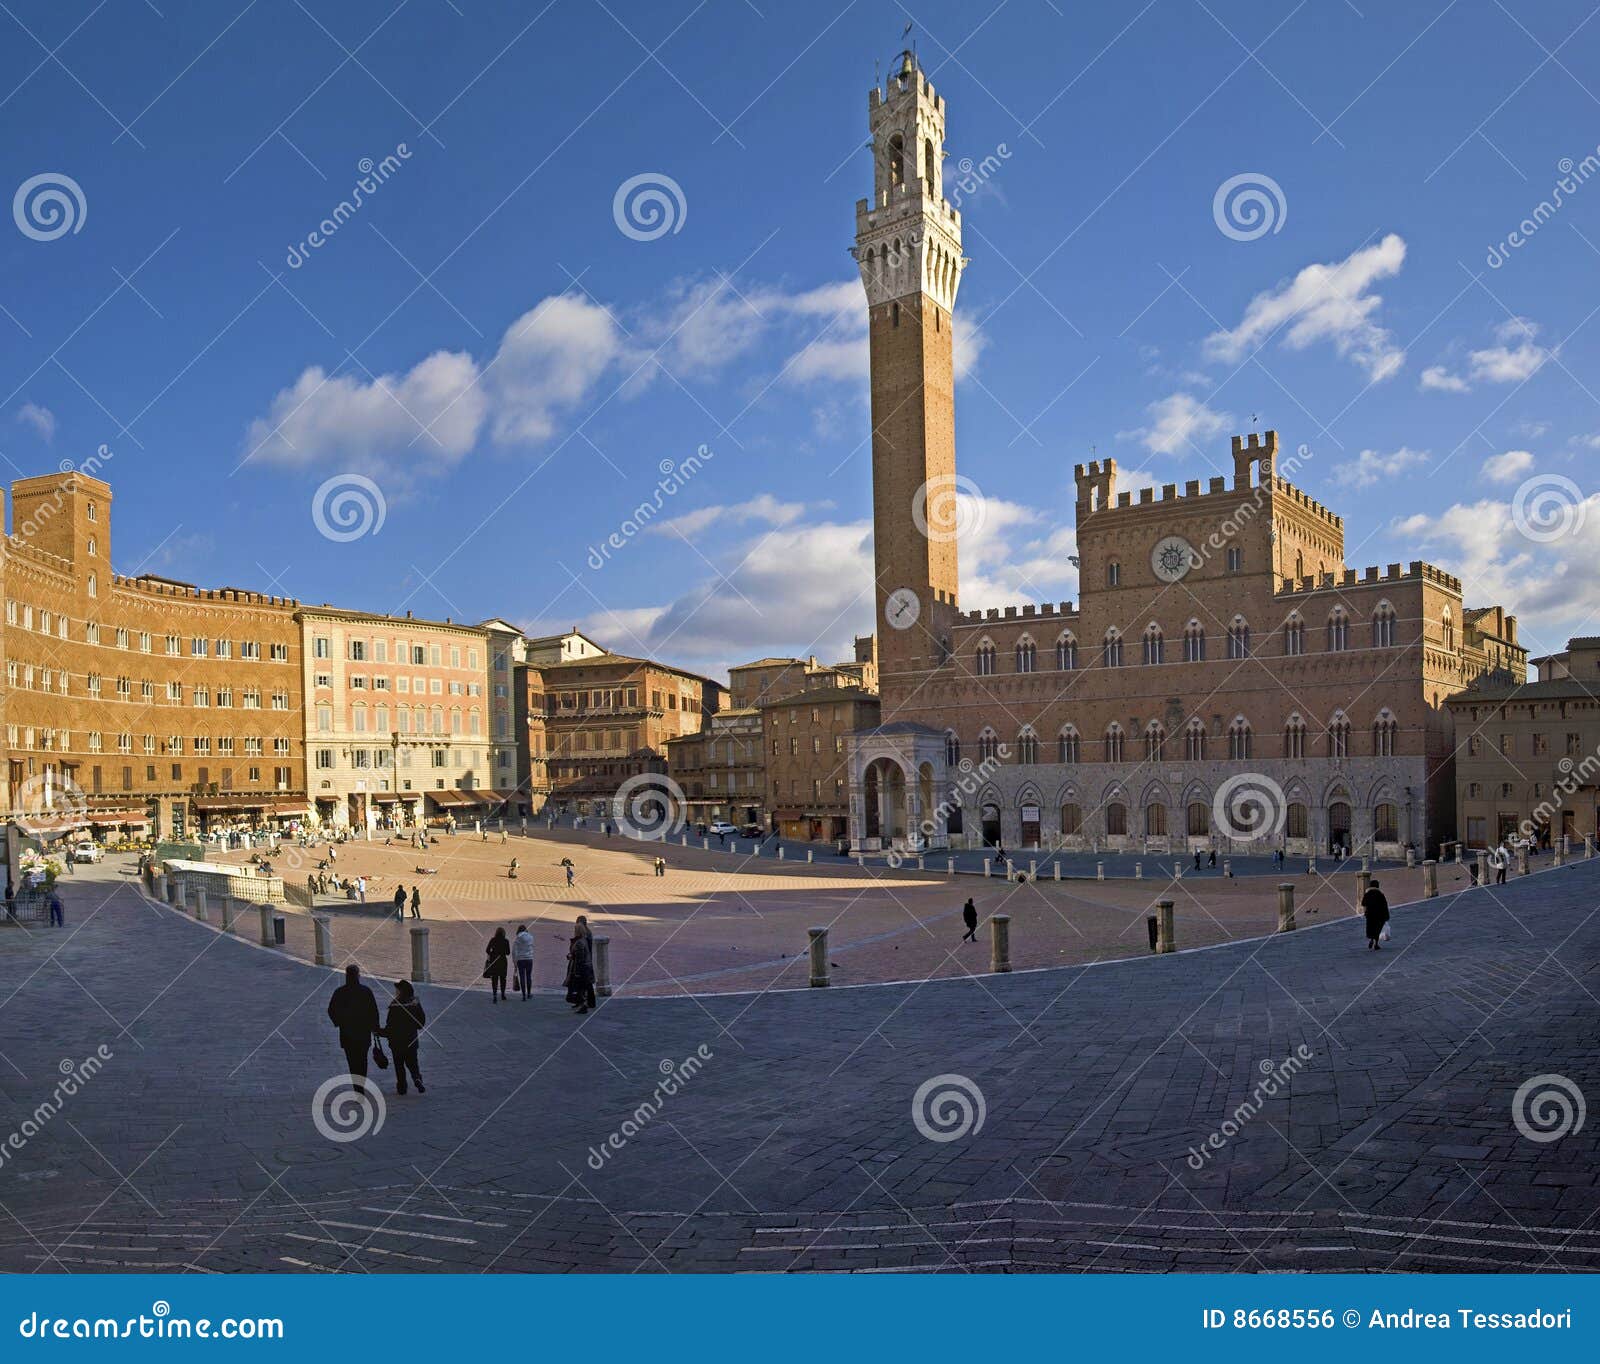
{"points": [[455, 800], [113, 818]]}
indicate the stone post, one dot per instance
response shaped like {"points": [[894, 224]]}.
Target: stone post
{"points": [[819, 956], [1286, 907], [1165, 933], [986, 866], [158, 886], [1363, 885], [1057, 871], [1099, 871], [950, 866], [323, 928], [1411, 856], [808, 854], [602, 967], [1588, 845], [1000, 943], [1522, 860], [1461, 853], [420, 973], [230, 907], [1430, 878], [1227, 866], [1483, 866], [1366, 864], [175, 892], [780, 851], [200, 905], [1138, 871], [1177, 871], [922, 862], [1311, 865], [1560, 853], [267, 939]]}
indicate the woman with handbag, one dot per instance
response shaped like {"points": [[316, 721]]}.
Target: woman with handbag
{"points": [[580, 968], [494, 967]]}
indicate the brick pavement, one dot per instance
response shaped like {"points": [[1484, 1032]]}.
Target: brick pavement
{"points": [[794, 1148]]}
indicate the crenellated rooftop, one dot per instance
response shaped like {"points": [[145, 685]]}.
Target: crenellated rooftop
{"points": [[1326, 582]]}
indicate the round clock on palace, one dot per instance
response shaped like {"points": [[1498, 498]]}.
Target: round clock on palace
{"points": [[1172, 558], [901, 609]]}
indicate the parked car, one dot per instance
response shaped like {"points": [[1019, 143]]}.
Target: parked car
{"points": [[722, 828], [86, 852]]}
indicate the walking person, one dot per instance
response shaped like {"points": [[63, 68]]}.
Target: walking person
{"points": [[361, 888], [969, 916], [513, 869], [404, 1021], [661, 866], [416, 901], [570, 877], [580, 968], [522, 954], [1502, 864], [57, 919], [1376, 908], [354, 1012], [494, 967], [399, 902]]}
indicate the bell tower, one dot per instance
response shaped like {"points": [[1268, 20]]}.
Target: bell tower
{"points": [[908, 246]]}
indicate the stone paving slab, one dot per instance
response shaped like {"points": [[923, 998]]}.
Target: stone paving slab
{"points": [[794, 1147]]}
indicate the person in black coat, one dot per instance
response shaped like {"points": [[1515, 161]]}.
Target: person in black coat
{"points": [[399, 902], [404, 1021], [969, 916], [494, 968], [354, 1011], [1376, 907]]}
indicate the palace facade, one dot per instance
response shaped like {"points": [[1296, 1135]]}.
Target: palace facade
{"points": [[1225, 679]]}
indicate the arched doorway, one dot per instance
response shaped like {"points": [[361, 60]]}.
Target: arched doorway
{"points": [[1030, 824], [884, 799], [1338, 825], [990, 818]]}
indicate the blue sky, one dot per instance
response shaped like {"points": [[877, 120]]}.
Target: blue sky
{"points": [[512, 372]]}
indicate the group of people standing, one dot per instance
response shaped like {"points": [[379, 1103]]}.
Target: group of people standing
{"points": [[504, 952]]}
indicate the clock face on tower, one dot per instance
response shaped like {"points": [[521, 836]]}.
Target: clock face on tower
{"points": [[901, 609], [1172, 558]]}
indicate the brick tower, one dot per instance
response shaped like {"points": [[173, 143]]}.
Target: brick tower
{"points": [[908, 245]]}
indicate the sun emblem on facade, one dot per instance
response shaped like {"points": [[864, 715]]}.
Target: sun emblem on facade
{"points": [[1171, 558]]}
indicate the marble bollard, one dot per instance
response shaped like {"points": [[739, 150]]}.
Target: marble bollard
{"points": [[420, 972], [1286, 907], [1430, 878], [1166, 932], [1000, 943], [323, 927], [602, 967], [819, 956]]}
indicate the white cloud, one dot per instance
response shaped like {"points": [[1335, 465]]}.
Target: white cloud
{"points": [[1324, 302], [764, 507], [1177, 421], [548, 362], [1373, 466], [1509, 467], [41, 419], [322, 417], [1439, 379]]}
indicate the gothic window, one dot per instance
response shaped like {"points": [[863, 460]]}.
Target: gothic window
{"points": [[1294, 738], [1113, 574], [897, 161], [1194, 642], [1239, 739], [988, 746], [1239, 638], [1027, 748], [1067, 745], [928, 163], [985, 659], [1066, 653], [1449, 630], [1338, 736], [1026, 655], [1383, 626], [1155, 741], [1294, 635], [1114, 743], [1383, 733], [952, 749], [1338, 630], [1194, 742], [1113, 648], [1154, 645]]}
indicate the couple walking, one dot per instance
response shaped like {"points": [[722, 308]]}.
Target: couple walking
{"points": [[400, 902], [500, 952], [353, 1010]]}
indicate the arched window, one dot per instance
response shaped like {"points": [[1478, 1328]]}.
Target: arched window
{"points": [[1027, 747], [94, 585], [1338, 630], [1239, 739], [1383, 734], [1066, 652], [1294, 824], [1026, 655], [1113, 648], [1155, 820], [1239, 638], [952, 749], [1113, 573], [897, 161], [1114, 743], [1383, 626], [985, 659], [1385, 823], [1194, 742], [94, 546], [1299, 565], [1294, 738], [1117, 819], [1071, 819], [1199, 819], [1154, 645], [1155, 741], [1294, 635], [1194, 642], [93, 512], [988, 745], [928, 163], [1449, 627], [1067, 745], [1338, 736]]}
